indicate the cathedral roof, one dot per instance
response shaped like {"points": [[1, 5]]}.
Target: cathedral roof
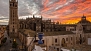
{"points": [[84, 20], [58, 33], [27, 32], [32, 33]]}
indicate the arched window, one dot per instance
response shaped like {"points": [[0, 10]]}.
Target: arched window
{"points": [[13, 4], [63, 43], [56, 40], [80, 39]]}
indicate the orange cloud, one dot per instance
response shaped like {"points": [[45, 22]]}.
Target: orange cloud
{"points": [[67, 11]]}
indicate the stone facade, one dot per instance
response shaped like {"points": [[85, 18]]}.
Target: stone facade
{"points": [[59, 40], [36, 24], [53, 39], [66, 41], [13, 18], [40, 25]]}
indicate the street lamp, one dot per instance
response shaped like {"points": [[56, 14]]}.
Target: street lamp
{"points": [[14, 40]]}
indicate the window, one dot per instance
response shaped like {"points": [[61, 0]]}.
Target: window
{"points": [[10, 4], [13, 12], [13, 30], [13, 22], [54, 47], [57, 49], [13, 4], [66, 39], [67, 29], [61, 50], [71, 38], [13, 19], [43, 41], [55, 40], [37, 20], [25, 26]]}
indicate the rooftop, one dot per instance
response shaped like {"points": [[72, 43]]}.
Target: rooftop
{"points": [[32, 33], [27, 31], [57, 33]]}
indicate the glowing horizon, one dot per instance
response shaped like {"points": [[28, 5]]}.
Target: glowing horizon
{"points": [[64, 11]]}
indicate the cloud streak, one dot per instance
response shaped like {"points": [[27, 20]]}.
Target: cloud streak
{"points": [[65, 11]]}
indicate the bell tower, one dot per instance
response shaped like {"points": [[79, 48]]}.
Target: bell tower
{"points": [[79, 34], [13, 18], [83, 18]]}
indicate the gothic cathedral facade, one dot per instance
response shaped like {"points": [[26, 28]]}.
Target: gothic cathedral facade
{"points": [[13, 18]]}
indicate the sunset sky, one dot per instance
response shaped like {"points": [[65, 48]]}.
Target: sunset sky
{"points": [[65, 11]]}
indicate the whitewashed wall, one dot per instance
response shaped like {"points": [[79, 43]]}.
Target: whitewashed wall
{"points": [[89, 41]]}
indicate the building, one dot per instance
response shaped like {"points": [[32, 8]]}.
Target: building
{"points": [[36, 24], [13, 18], [40, 25], [85, 23], [2, 31], [61, 36], [56, 40], [56, 35]]}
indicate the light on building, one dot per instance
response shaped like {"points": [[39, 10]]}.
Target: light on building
{"points": [[14, 40]]}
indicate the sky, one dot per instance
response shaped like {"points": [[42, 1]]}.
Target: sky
{"points": [[64, 11]]}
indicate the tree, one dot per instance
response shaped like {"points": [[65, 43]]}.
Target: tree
{"points": [[4, 40], [14, 45]]}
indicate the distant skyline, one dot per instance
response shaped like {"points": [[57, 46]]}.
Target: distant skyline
{"points": [[65, 11]]}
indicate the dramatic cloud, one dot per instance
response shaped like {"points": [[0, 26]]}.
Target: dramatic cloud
{"points": [[65, 11]]}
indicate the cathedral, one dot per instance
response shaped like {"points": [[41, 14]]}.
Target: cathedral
{"points": [[38, 24], [56, 35], [13, 18]]}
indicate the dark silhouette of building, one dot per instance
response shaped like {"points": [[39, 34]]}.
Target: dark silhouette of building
{"points": [[39, 25]]}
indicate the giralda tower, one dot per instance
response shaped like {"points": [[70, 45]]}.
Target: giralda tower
{"points": [[13, 18]]}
